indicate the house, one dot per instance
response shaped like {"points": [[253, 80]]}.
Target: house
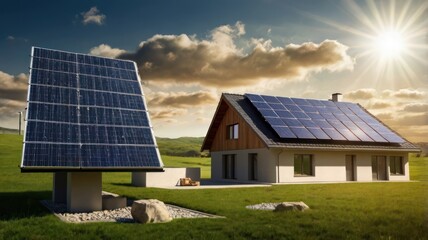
{"points": [[284, 140]]}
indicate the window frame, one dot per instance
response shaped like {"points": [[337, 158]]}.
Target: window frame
{"points": [[393, 160], [232, 131], [299, 161]]}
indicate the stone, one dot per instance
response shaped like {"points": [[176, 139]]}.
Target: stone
{"points": [[150, 211], [291, 206]]}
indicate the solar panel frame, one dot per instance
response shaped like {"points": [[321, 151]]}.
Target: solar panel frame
{"points": [[54, 122]]}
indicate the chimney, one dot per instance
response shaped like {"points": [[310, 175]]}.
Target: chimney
{"points": [[336, 97]]}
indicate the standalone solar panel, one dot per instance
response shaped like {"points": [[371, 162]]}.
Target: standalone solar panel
{"points": [[86, 113], [296, 118]]}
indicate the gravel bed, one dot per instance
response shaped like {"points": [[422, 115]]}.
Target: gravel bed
{"points": [[263, 206], [122, 215]]}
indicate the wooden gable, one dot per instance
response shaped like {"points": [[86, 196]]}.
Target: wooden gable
{"points": [[217, 140]]}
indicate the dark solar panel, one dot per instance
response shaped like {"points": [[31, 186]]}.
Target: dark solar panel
{"points": [[320, 119], [86, 112]]}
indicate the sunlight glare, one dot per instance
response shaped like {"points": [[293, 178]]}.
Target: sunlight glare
{"points": [[390, 43]]}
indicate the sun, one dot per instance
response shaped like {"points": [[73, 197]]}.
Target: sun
{"points": [[388, 38], [390, 44]]}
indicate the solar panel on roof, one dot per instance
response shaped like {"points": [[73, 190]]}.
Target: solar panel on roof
{"points": [[321, 119], [85, 113]]}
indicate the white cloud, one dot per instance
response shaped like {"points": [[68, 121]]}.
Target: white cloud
{"points": [[416, 107], [93, 16], [364, 93], [105, 50], [405, 93], [218, 62], [182, 99]]}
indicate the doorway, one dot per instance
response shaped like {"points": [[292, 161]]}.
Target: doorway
{"points": [[252, 166], [350, 167], [229, 166], [379, 168]]}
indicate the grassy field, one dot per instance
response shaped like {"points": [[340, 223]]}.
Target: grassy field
{"points": [[338, 211], [183, 146]]}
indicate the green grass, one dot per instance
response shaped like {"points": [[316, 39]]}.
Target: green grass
{"points": [[338, 211], [183, 146], [203, 163]]}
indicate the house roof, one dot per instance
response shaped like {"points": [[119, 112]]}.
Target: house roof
{"points": [[242, 105]]}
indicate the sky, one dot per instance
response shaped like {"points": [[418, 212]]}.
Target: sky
{"points": [[189, 52]]}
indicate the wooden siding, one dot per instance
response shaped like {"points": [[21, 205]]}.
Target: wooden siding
{"points": [[247, 138]]}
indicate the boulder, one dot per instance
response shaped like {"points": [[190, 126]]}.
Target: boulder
{"points": [[291, 206], [150, 211]]}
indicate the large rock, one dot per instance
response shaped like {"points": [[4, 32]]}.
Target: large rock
{"points": [[150, 211], [291, 206]]}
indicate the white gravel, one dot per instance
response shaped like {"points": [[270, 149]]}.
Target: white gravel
{"points": [[118, 215], [263, 206]]}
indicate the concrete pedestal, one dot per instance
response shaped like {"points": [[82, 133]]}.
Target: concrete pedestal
{"points": [[84, 191], [59, 190], [169, 178]]}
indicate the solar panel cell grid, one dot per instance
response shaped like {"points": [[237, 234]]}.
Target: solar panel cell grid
{"points": [[270, 99], [328, 120], [273, 121], [86, 112], [302, 132], [284, 114], [318, 133], [284, 132]]}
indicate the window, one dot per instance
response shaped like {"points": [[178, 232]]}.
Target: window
{"points": [[233, 131], [396, 165], [229, 166], [302, 165]]}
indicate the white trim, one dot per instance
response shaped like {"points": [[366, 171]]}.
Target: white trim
{"points": [[26, 112], [80, 54]]}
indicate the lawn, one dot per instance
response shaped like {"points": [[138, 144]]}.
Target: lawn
{"points": [[338, 211]]}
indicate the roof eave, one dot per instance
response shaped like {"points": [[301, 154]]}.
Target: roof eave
{"points": [[410, 150]]}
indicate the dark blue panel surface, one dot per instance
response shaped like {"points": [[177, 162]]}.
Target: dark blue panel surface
{"points": [[54, 65], [254, 98], [51, 155], [284, 132], [319, 133], [270, 99], [115, 135], [119, 156], [290, 122], [53, 54], [53, 94], [50, 112], [335, 120], [52, 132], [273, 121], [61, 79], [86, 111], [334, 134], [302, 132], [284, 114]]}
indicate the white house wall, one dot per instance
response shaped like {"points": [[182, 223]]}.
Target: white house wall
{"points": [[329, 166], [266, 164]]}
